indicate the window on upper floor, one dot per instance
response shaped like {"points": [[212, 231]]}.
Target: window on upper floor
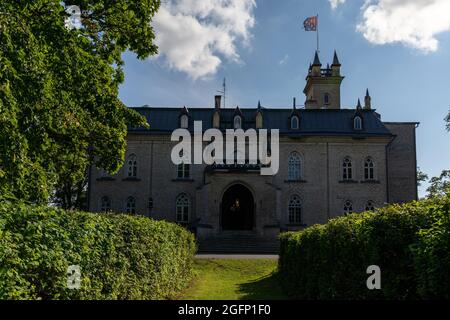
{"points": [[348, 207], [326, 98], [105, 204], [184, 121], [237, 122], [294, 167], [357, 123], [295, 210], [369, 169], [182, 208], [132, 166], [294, 123], [130, 205], [183, 171], [347, 173]]}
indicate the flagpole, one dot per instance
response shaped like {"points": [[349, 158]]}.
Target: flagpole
{"points": [[317, 31]]}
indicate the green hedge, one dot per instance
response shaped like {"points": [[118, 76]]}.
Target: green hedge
{"points": [[410, 243], [120, 256]]}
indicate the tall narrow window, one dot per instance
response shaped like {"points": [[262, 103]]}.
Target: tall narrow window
{"points": [[357, 123], [347, 173], [348, 207], [184, 121], [295, 210], [182, 207], [370, 206], [132, 166], [130, 206], [105, 204], [369, 169], [294, 123], [326, 98], [237, 122], [294, 169]]}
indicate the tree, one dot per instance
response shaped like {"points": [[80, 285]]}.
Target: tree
{"points": [[439, 186], [421, 177], [59, 106]]}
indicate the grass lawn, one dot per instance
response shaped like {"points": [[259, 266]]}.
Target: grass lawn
{"points": [[228, 279]]}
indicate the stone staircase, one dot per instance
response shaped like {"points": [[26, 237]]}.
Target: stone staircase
{"points": [[238, 242]]}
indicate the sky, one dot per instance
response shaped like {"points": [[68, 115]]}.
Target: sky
{"points": [[398, 49]]}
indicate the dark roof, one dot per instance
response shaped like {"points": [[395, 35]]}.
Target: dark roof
{"points": [[312, 121], [316, 60]]}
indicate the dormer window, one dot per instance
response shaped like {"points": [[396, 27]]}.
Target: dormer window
{"points": [[294, 123], [184, 121], [237, 122], [357, 123]]}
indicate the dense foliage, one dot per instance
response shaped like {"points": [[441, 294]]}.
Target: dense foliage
{"points": [[59, 105], [410, 243], [121, 257]]}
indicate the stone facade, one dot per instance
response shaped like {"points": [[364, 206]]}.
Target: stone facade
{"points": [[321, 189]]}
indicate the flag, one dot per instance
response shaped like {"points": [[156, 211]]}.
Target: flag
{"points": [[310, 24]]}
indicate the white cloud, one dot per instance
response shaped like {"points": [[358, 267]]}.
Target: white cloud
{"points": [[195, 36], [283, 61], [414, 23], [335, 3]]}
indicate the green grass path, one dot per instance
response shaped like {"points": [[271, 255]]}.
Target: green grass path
{"points": [[228, 279]]}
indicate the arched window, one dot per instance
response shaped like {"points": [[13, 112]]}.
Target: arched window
{"points": [[369, 172], [294, 168], [326, 98], [347, 173], [130, 206], [295, 210], [294, 123], [132, 166], [182, 205], [184, 121], [237, 122], [370, 206], [348, 207], [105, 204], [357, 123]]}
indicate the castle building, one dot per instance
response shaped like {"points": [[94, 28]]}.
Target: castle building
{"points": [[333, 161]]}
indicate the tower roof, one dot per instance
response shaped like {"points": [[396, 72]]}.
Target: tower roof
{"points": [[336, 59], [316, 60], [367, 93]]}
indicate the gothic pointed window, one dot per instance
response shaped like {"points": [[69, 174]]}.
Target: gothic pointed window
{"points": [[357, 123], [295, 210], [237, 122], [294, 167], [369, 169], [182, 209], [184, 121], [347, 173], [370, 206], [348, 207], [183, 169], [132, 166], [294, 123], [105, 204], [130, 205]]}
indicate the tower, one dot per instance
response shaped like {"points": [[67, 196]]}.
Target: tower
{"points": [[323, 86], [367, 101]]}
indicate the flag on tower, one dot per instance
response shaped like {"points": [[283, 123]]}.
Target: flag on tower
{"points": [[310, 24]]}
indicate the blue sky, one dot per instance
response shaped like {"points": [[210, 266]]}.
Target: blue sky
{"points": [[407, 72]]}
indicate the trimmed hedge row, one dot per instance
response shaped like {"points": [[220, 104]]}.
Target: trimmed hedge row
{"points": [[120, 256], [410, 243]]}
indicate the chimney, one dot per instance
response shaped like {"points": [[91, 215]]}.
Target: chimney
{"points": [[217, 100]]}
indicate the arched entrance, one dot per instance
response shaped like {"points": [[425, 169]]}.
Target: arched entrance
{"points": [[237, 208]]}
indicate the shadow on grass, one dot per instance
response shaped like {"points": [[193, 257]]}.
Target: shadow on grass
{"points": [[265, 288]]}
